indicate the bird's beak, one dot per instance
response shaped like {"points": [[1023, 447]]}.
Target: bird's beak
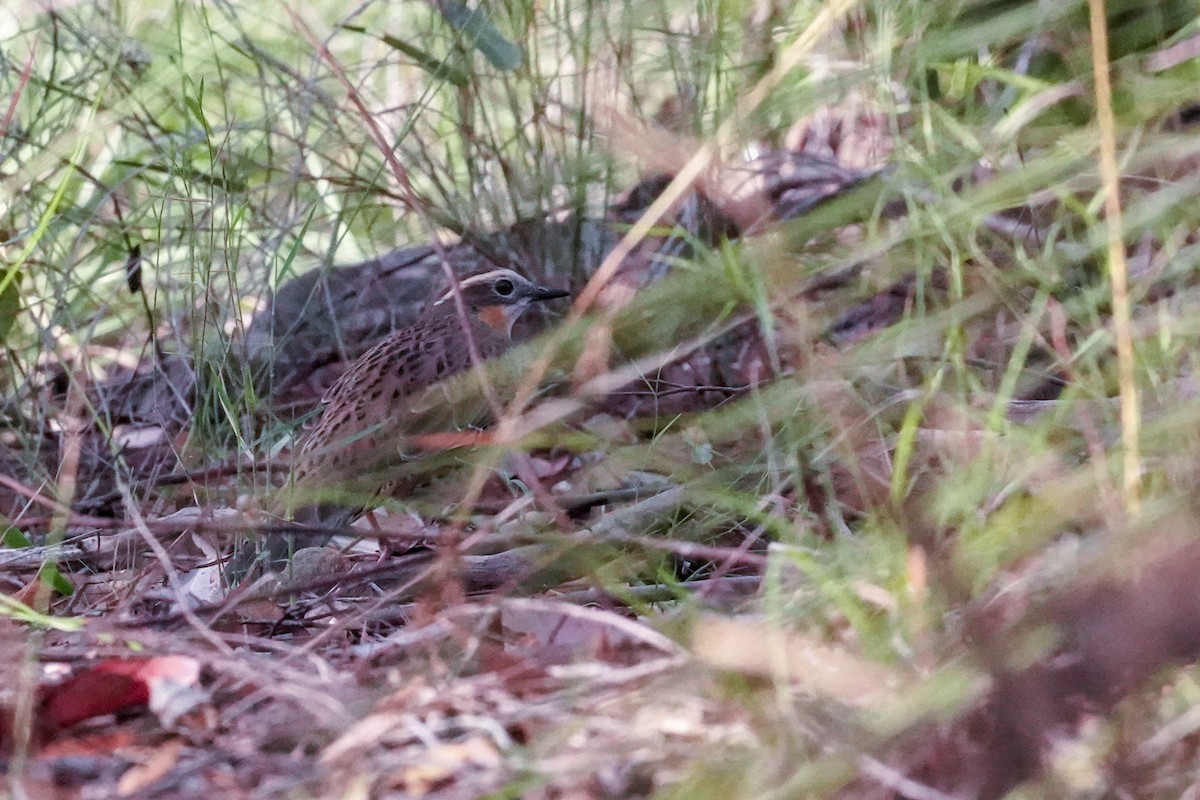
{"points": [[541, 293]]}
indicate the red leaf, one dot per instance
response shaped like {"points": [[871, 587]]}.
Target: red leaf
{"points": [[110, 686]]}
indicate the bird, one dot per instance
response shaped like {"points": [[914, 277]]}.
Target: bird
{"points": [[342, 453]]}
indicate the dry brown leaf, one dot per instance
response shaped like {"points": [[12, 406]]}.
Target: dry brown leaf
{"points": [[875, 595], [442, 762], [135, 438], [158, 764], [361, 736], [917, 571], [752, 647]]}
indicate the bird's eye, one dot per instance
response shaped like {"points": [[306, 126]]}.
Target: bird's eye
{"points": [[504, 287]]}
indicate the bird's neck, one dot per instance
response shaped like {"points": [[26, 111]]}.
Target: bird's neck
{"points": [[498, 318]]}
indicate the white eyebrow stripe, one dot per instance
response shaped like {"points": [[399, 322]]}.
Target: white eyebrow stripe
{"points": [[475, 280]]}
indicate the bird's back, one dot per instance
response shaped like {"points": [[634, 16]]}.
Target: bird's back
{"points": [[365, 410]]}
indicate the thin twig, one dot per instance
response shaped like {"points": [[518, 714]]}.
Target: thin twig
{"points": [[1118, 270]]}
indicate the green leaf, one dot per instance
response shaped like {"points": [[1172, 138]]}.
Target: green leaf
{"points": [[10, 305], [502, 53], [48, 574], [438, 67], [52, 577], [195, 104], [13, 537], [15, 609]]}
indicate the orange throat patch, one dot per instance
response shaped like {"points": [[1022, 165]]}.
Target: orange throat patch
{"points": [[496, 318]]}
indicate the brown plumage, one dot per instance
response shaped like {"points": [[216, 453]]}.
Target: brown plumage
{"points": [[343, 454]]}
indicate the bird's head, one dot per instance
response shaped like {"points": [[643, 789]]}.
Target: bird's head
{"points": [[499, 297]]}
